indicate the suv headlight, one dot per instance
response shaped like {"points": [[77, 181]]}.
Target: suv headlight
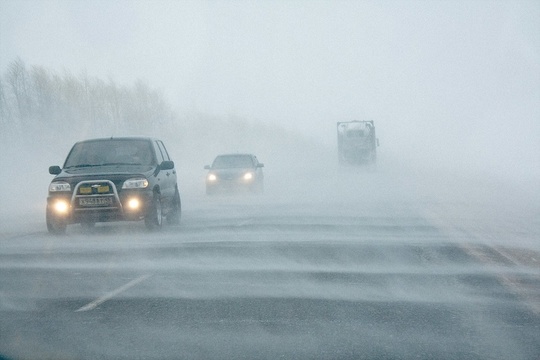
{"points": [[59, 186], [248, 176], [135, 183]]}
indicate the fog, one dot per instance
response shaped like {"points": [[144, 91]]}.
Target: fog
{"points": [[453, 88], [432, 253], [454, 82]]}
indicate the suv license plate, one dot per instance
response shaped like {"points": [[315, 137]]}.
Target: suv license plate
{"points": [[95, 201]]}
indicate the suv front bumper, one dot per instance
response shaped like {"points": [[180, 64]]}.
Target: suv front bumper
{"points": [[112, 205]]}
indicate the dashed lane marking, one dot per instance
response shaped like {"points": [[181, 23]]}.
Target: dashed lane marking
{"points": [[110, 295]]}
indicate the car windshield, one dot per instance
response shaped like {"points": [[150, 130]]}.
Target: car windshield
{"points": [[232, 162], [110, 152]]}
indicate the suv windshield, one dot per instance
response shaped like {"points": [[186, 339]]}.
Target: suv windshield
{"points": [[232, 161], [110, 152]]}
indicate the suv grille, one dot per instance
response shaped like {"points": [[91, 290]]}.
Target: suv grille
{"points": [[95, 194], [92, 189]]}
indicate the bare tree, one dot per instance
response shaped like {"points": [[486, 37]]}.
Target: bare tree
{"points": [[42, 100], [17, 78], [5, 114], [43, 94]]}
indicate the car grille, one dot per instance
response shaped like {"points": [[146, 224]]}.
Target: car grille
{"points": [[230, 177], [95, 195], [95, 188]]}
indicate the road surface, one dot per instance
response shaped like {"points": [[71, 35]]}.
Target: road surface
{"points": [[385, 272]]}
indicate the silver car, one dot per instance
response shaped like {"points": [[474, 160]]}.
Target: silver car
{"points": [[235, 173]]}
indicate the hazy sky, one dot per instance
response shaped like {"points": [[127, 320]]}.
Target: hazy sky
{"points": [[452, 77]]}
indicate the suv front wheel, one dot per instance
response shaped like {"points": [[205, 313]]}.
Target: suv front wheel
{"points": [[154, 218], [54, 224], [173, 216]]}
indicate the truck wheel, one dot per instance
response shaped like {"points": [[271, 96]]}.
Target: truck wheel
{"points": [[88, 225], [154, 218], [173, 217], [55, 225]]}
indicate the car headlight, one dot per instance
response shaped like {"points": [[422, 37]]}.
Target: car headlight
{"points": [[135, 183], [133, 204], [212, 177], [248, 176], [59, 186], [61, 206]]}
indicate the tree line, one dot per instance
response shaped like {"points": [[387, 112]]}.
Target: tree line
{"points": [[38, 105], [36, 100]]}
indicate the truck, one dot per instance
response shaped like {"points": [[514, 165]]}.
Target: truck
{"points": [[357, 143]]}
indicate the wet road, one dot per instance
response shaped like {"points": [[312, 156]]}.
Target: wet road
{"points": [[268, 278]]}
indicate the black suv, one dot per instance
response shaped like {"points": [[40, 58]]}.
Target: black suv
{"points": [[114, 179]]}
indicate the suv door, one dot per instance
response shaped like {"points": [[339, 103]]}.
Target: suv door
{"points": [[167, 178]]}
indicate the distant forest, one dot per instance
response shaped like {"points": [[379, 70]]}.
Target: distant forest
{"points": [[38, 105], [34, 99]]}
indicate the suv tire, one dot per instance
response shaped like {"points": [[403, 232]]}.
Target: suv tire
{"points": [[154, 218], [55, 225], [173, 217]]}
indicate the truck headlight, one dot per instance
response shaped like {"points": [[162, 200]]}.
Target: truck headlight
{"points": [[59, 186], [212, 177], [135, 183]]}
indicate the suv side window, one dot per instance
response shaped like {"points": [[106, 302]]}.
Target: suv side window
{"points": [[159, 154], [163, 150]]}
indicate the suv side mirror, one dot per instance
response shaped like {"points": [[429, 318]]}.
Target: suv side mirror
{"points": [[55, 170], [260, 165], [166, 165]]}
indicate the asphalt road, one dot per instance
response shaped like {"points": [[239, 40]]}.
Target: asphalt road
{"points": [[408, 277]]}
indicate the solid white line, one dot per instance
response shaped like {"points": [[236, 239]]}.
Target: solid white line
{"points": [[101, 300], [244, 223]]}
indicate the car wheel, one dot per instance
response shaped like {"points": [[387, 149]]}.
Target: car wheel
{"points": [[258, 187], [173, 217], [154, 218], [87, 225], [54, 224]]}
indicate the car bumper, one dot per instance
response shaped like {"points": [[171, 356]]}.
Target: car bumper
{"points": [[128, 205], [232, 187]]}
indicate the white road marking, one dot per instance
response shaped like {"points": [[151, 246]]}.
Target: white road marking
{"points": [[514, 284], [244, 223], [110, 295]]}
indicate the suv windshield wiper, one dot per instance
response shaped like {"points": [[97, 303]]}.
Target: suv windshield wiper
{"points": [[120, 163], [104, 164], [82, 165]]}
